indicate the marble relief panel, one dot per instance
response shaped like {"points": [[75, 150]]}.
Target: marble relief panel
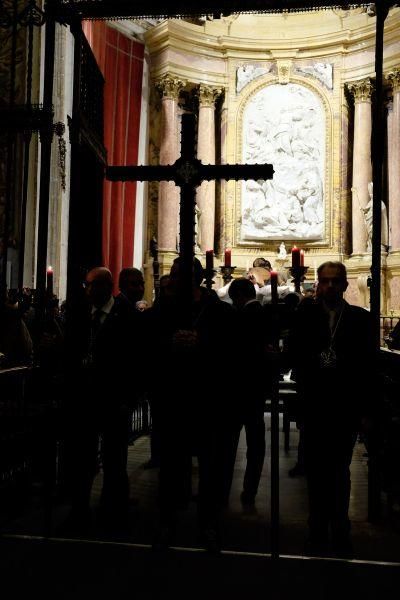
{"points": [[321, 71], [284, 125], [247, 73]]}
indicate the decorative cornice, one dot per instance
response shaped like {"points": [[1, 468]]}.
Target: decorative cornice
{"points": [[394, 79], [169, 86], [208, 94], [361, 90]]}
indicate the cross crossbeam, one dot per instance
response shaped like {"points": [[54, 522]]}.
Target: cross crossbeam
{"points": [[188, 172]]}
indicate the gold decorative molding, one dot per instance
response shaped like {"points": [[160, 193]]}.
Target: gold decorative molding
{"points": [[169, 86], [394, 79], [208, 94], [284, 70], [361, 90]]}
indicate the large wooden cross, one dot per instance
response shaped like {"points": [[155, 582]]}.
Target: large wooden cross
{"points": [[188, 172]]}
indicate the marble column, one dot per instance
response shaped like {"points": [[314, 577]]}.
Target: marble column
{"points": [[168, 194], [362, 167], [394, 162], [205, 197], [391, 172]]}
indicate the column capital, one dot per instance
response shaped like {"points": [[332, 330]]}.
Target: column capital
{"points": [[208, 94], [170, 86], [394, 79], [361, 90]]}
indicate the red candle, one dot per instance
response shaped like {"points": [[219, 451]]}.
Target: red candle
{"points": [[49, 280], [295, 256], [302, 258], [228, 256], [209, 260], [274, 287]]}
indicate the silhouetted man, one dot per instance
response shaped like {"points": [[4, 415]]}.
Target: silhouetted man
{"points": [[247, 404], [102, 349], [131, 286], [333, 354]]}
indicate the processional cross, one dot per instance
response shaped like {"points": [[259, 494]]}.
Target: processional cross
{"points": [[188, 172]]}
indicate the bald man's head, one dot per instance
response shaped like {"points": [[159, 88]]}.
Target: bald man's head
{"points": [[99, 285]]}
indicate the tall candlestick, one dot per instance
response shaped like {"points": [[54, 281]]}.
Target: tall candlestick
{"points": [[49, 280], [209, 260], [274, 286], [295, 256], [228, 257], [302, 258]]}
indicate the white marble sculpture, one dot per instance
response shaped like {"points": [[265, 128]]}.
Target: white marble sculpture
{"points": [[247, 73], [321, 71], [368, 216], [284, 126], [282, 254]]}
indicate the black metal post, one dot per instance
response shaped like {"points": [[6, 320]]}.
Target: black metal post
{"points": [[187, 218], [377, 154], [46, 136], [10, 169], [27, 145], [275, 462]]}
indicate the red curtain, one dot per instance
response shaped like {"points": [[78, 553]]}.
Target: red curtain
{"points": [[121, 62]]}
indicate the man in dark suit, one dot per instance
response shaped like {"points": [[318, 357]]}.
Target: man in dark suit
{"points": [[333, 353], [131, 287], [103, 343], [250, 338], [192, 412]]}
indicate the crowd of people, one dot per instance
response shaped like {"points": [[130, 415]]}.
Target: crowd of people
{"points": [[102, 345]]}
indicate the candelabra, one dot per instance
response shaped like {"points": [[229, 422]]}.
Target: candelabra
{"points": [[298, 273], [208, 276], [227, 273]]}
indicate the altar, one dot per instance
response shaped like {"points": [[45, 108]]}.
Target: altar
{"points": [[303, 106]]}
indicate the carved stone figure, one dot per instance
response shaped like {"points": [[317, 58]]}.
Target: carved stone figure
{"points": [[285, 126], [247, 73], [282, 254], [321, 71], [197, 229], [368, 216]]}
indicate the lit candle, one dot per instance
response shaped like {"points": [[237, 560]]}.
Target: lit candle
{"points": [[302, 258], [209, 260], [228, 256], [295, 256], [274, 287], [49, 280]]}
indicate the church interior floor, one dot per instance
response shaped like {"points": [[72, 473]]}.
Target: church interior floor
{"points": [[77, 568]]}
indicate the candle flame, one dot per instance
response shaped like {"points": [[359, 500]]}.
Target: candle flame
{"points": [[50, 268]]}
